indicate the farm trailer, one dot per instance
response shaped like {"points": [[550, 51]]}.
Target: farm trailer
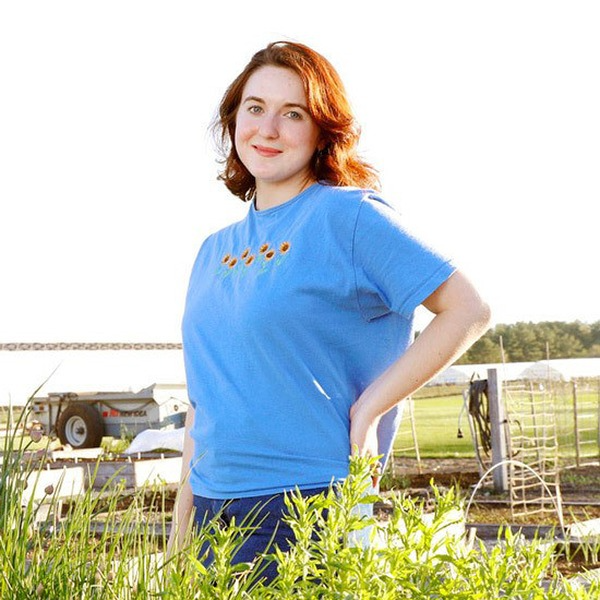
{"points": [[82, 419]]}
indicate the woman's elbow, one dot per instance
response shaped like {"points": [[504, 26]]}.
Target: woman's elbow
{"points": [[485, 315], [480, 314], [461, 299], [475, 310]]}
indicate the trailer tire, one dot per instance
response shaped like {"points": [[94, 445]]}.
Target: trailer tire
{"points": [[80, 425]]}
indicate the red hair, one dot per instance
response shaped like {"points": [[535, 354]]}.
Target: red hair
{"points": [[336, 162]]}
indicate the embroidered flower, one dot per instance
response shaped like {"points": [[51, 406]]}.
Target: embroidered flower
{"points": [[269, 255], [226, 259], [245, 253], [285, 246], [264, 248], [249, 260], [232, 262]]}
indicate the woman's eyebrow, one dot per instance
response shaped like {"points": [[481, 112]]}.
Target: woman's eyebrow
{"points": [[296, 105], [286, 104], [253, 99]]}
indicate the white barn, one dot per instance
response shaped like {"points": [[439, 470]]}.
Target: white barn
{"points": [[563, 369], [559, 369], [462, 374]]}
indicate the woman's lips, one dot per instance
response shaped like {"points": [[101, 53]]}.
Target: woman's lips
{"points": [[266, 151]]}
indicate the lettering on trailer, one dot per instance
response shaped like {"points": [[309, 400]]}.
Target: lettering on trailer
{"points": [[124, 413]]}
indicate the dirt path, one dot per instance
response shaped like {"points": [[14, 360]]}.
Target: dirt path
{"points": [[580, 489]]}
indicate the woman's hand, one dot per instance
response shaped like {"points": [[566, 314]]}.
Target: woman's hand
{"points": [[363, 435]]}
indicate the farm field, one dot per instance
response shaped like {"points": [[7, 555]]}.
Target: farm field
{"points": [[437, 417], [436, 420]]}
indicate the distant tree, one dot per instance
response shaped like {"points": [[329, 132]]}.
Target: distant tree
{"points": [[594, 351], [535, 341], [485, 350], [594, 336], [523, 342]]}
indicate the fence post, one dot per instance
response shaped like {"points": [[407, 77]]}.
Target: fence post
{"points": [[413, 427], [497, 430], [598, 435], [576, 426]]}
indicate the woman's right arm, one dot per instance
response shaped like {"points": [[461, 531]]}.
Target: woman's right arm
{"points": [[184, 503]]}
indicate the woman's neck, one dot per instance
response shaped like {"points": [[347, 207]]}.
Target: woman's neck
{"points": [[271, 195]]}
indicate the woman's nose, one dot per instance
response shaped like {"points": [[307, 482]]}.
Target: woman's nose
{"points": [[268, 126]]}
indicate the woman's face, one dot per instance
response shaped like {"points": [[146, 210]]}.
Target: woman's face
{"points": [[275, 136]]}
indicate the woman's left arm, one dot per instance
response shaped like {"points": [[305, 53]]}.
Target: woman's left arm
{"points": [[461, 318]]}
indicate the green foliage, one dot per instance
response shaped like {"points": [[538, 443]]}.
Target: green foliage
{"points": [[412, 555], [535, 341]]}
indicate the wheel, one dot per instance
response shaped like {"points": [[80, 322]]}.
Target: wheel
{"points": [[80, 426]]}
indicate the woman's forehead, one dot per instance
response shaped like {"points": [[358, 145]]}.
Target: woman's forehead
{"points": [[277, 84]]}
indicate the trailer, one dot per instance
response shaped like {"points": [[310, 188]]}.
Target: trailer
{"points": [[82, 419]]}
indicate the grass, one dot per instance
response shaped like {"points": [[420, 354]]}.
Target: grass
{"points": [[437, 411], [436, 420]]}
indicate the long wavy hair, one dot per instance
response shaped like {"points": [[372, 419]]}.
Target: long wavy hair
{"points": [[336, 161]]}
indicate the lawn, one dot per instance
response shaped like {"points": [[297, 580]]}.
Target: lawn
{"points": [[437, 411], [437, 421]]}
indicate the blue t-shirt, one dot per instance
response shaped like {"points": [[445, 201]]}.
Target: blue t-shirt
{"points": [[290, 314]]}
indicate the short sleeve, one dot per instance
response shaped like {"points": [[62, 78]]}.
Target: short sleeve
{"points": [[394, 270]]}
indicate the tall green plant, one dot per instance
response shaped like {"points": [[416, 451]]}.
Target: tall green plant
{"points": [[411, 555]]}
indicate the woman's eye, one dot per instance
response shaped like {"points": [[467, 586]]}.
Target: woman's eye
{"points": [[255, 109], [294, 114]]}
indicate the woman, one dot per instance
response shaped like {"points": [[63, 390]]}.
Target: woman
{"points": [[298, 318]]}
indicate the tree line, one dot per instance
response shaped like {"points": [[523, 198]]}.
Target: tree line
{"points": [[535, 341]]}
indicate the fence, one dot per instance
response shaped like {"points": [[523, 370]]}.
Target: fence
{"points": [[407, 443], [534, 482], [547, 425], [577, 408]]}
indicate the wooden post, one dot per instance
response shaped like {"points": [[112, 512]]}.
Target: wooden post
{"points": [[413, 426], [598, 436], [536, 434], [576, 426], [498, 431]]}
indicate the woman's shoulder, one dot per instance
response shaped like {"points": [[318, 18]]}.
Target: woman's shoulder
{"points": [[344, 197], [345, 194]]}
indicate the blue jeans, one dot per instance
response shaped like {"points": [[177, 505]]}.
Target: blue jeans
{"points": [[262, 513]]}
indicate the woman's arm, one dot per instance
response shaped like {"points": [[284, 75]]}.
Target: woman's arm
{"points": [[184, 503], [461, 318]]}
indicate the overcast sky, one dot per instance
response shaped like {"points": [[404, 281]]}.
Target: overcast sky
{"points": [[482, 118]]}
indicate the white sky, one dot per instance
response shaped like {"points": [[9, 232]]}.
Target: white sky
{"points": [[482, 118]]}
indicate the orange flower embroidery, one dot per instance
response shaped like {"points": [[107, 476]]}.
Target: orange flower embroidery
{"points": [[270, 254], [226, 259], [245, 253], [264, 248], [250, 260], [232, 262], [284, 247]]}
